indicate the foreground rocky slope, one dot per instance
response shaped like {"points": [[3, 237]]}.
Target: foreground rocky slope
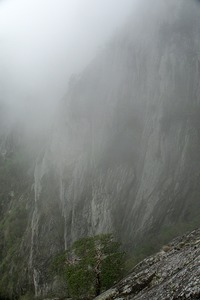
{"points": [[171, 274]]}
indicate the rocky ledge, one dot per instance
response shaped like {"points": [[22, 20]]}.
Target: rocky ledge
{"points": [[171, 274]]}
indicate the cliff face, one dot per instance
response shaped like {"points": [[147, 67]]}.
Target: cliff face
{"points": [[126, 147], [124, 153]]}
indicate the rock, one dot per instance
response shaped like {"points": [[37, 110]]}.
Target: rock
{"points": [[110, 294], [176, 276], [166, 248]]}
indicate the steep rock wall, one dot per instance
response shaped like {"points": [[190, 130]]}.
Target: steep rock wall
{"points": [[126, 146]]}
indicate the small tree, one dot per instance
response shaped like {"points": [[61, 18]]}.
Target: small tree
{"points": [[92, 264]]}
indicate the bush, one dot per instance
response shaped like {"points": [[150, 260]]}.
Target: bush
{"points": [[91, 265]]}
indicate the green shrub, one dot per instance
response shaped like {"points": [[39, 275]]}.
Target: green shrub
{"points": [[90, 266]]}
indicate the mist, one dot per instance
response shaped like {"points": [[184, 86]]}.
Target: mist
{"points": [[43, 43], [99, 134]]}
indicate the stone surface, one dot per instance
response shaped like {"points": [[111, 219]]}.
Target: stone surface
{"points": [[174, 275]]}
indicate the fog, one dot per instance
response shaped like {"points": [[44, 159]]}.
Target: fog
{"points": [[42, 43]]}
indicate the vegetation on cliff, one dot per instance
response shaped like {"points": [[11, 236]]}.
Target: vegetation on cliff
{"points": [[90, 266]]}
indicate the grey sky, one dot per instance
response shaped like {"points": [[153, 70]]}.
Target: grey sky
{"points": [[43, 42]]}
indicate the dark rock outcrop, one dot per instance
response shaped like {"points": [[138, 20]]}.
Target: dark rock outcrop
{"points": [[171, 275]]}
